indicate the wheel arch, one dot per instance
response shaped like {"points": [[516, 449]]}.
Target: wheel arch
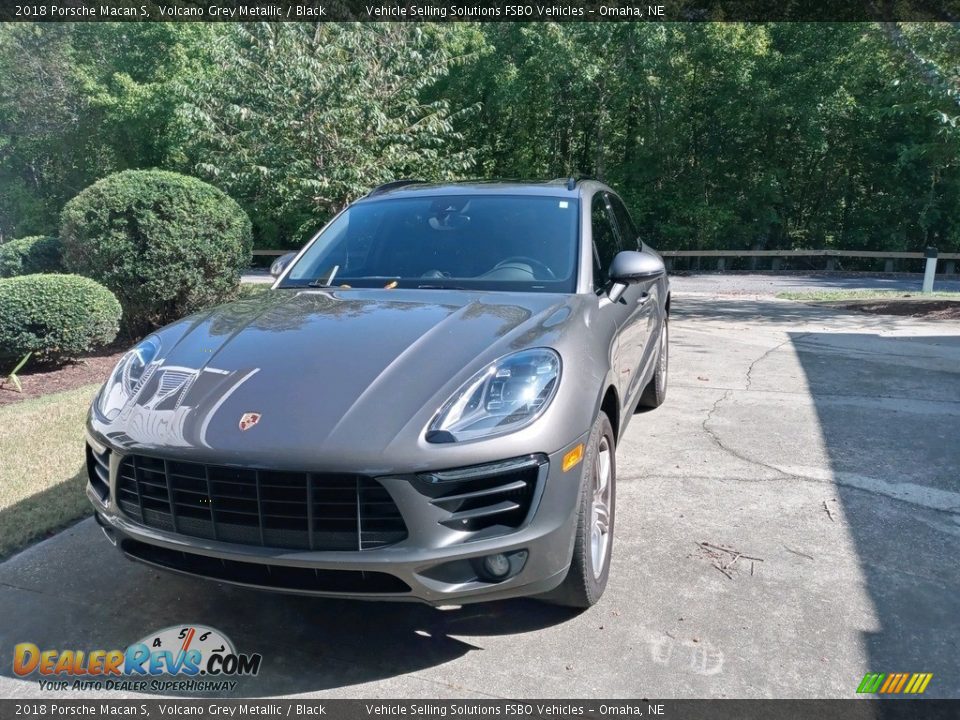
{"points": [[610, 404]]}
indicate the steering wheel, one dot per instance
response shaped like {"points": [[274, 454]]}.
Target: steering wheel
{"points": [[528, 261]]}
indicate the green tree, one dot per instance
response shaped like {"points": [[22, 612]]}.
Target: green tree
{"points": [[778, 135], [783, 135], [79, 101], [296, 120]]}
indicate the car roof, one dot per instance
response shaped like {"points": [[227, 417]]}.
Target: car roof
{"points": [[413, 188]]}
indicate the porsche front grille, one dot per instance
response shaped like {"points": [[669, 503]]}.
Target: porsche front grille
{"points": [[304, 511]]}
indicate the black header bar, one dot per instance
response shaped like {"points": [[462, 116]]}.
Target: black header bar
{"points": [[854, 709]]}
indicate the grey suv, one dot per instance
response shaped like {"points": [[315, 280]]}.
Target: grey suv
{"points": [[425, 405]]}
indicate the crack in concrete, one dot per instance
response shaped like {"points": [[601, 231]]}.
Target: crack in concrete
{"points": [[836, 479], [18, 587], [715, 438], [770, 352]]}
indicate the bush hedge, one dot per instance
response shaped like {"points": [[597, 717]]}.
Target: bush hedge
{"points": [[29, 255], [165, 244], [54, 316]]}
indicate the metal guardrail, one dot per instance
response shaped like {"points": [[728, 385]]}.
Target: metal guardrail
{"points": [[949, 268]]}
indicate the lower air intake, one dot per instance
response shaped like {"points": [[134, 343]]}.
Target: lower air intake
{"points": [[272, 577], [486, 496]]}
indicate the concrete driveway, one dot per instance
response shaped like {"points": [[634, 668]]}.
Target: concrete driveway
{"points": [[820, 445]]}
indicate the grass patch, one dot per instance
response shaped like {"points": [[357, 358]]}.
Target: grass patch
{"points": [[42, 477], [837, 295]]}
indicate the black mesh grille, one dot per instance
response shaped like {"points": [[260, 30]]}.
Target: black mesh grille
{"points": [[304, 511]]}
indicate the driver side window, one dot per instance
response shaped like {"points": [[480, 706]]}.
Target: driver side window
{"points": [[605, 242]]}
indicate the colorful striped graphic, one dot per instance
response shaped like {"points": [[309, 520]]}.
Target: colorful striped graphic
{"points": [[892, 683]]}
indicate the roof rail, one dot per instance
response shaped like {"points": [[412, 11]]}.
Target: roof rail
{"points": [[386, 187], [572, 180]]}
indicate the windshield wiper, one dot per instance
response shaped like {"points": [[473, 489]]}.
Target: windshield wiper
{"points": [[440, 287], [318, 283]]}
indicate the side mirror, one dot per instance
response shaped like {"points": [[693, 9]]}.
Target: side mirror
{"points": [[280, 264], [631, 266]]}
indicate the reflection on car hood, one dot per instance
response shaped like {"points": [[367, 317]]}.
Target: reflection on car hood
{"points": [[324, 368]]}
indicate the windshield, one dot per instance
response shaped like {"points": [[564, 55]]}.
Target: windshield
{"points": [[482, 242]]}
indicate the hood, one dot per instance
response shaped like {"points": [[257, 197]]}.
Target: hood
{"points": [[326, 373]]}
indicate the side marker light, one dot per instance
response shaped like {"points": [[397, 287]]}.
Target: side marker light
{"points": [[573, 458]]}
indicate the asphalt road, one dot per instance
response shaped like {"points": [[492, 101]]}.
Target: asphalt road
{"points": [[819, 444]]}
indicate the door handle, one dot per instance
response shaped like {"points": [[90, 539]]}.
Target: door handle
{"points": [[644, 297]]}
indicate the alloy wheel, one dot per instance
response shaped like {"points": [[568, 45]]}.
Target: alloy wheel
{"points": [[600, 507]]}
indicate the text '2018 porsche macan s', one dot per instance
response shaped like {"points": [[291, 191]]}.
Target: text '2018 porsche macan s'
{"points": [[426, 404]]}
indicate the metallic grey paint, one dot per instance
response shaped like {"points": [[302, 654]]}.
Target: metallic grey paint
{"points": [[347, 380]]}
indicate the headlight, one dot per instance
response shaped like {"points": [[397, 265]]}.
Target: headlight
{"points": [[127, 377], [505, 396]]}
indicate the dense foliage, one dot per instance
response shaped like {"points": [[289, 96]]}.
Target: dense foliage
{"points": [[29, 255], [164, 243], [758, 135], [56, 317], [300, 119]]}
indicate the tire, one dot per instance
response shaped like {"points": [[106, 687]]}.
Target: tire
{"points": [[584, 584], [656, 390]]}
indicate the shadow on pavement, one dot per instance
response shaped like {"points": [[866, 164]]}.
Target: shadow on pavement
{"points": [[308, 644], [735, 311], [895, 468]]}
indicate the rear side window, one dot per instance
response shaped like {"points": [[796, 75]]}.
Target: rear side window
{"points": [[628, 231], [605, 242]]}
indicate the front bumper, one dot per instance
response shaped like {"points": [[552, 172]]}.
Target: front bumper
{"points": [[433, 564]]}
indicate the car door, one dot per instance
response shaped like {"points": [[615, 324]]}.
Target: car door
{"points": [[606, 244], [638, 334]]}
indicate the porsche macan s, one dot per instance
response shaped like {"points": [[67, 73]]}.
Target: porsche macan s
{"points": [[425, 405]]}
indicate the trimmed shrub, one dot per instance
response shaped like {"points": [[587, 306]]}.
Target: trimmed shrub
{"points": [[165, 244], [56, 317], [29, 255]]}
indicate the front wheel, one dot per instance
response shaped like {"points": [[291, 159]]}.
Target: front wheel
{"points": [[590, 567]]}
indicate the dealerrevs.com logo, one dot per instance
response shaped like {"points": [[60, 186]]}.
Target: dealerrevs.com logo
{"points": [[181, 658]]}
